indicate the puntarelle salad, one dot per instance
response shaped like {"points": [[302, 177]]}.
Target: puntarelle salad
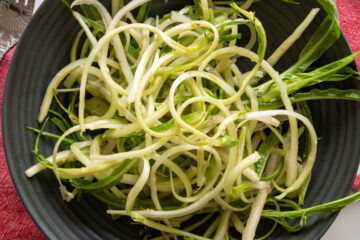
{"points": [[161, 124]]}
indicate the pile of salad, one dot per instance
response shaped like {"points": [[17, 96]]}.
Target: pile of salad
{"points": [[161, 123]]}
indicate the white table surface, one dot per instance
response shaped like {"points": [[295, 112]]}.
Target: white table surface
{"points": [[347, 224]]}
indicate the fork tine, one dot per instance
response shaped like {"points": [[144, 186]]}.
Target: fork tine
{"points": [[25, 2]]}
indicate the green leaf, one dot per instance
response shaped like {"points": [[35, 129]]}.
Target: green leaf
{"points": [[235, 190], [111, 202], [51, 135], [133, 51], [191, 13], [301, 80], [262, 43], [332, 67], [116, 5], [143, 13], [167, 125], [106, 182], [264, 151], [323, 38], [316, 94], [90, 12], [276, 173], [260, 31], [64, 125], [330, 7], [59, 124], [36, 149], [67, 5], [291, 1], [333, 206], [42, 160], [98, 26], [72, 103], [197, 8], [307, 113], [237, 22], [58, 101], [119, 203], [287, 226], [229, 37]]}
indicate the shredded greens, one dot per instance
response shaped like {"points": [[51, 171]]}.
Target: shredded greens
{"points": [[161, 124]]}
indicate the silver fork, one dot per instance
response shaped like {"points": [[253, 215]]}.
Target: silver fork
{"points": [[25, 2], [14, 15]]}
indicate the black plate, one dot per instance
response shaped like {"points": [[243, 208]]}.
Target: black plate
{"points": [[44, 49]]}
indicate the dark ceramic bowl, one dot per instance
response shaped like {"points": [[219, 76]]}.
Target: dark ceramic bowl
{"points": [[44, 49]]}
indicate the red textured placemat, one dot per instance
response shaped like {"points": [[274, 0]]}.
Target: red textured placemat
{"points": [[15, 223]]}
